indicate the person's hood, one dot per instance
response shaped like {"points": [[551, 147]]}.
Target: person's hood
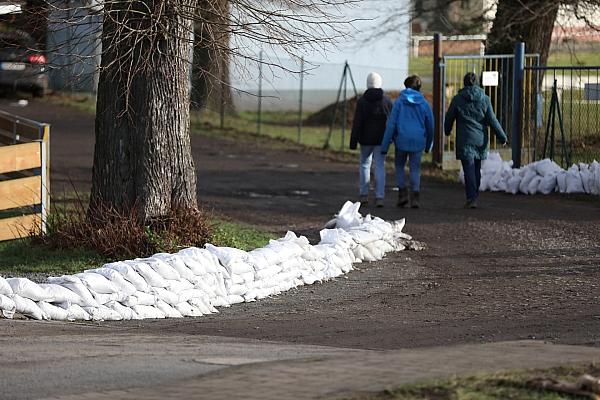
{"points": [[471, 93], [411, 96], [373, 94]]}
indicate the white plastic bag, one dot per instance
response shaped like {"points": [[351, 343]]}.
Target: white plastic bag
{"points": [[60, 294], [28, 289], [7, 306], [54, 312], [5, 288], [28, 307], [97, 283]]}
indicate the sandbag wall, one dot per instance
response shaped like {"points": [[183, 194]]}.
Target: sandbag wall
{"points": [[195, 281], [544, 176]]}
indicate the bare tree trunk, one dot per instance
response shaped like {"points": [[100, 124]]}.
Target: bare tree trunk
{"points": [[530, 22], [210, 71], [142, 155]]}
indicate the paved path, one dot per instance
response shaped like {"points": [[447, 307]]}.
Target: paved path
{"points": [[336, 373]]}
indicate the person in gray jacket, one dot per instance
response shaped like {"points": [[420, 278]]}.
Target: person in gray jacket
{"points": [[472, 110]]}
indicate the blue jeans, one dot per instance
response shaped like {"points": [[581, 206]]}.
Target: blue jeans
{"points": [[472, 169], [367, 153], [414, 168]]}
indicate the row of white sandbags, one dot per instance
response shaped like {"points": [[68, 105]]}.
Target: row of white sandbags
{"points": [[544, 176], [195, 281]]}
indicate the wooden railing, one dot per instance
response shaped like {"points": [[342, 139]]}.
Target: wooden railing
{"points": [[24, 176]]}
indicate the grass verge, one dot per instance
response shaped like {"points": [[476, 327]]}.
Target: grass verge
{"points": [[24, 256], [502, 385]]}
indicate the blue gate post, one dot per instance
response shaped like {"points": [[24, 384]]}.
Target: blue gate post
{"points": [[518, 73]]}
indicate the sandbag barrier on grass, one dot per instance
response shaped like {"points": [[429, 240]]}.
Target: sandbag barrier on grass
{"points": [[544, 176], [195, 281]]}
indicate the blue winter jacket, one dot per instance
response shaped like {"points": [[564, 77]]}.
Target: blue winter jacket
{"points": [[410, 125]]}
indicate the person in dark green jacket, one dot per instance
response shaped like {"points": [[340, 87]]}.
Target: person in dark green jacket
{"points": [[472, 110]]}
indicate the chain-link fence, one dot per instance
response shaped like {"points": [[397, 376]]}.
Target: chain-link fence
{"points": [[565, 117], [299, 100]]}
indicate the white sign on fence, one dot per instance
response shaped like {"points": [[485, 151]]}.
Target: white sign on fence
{"points": [[489, 78]]}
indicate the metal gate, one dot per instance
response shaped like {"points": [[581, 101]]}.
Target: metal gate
{"points": [[498, 85]]}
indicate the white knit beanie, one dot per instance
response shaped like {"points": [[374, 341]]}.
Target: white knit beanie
{"points": [[374, 81]]}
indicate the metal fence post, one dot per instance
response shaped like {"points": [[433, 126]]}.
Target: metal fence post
{"points": [[518, 72], [260, 78], [300, 99], [438, 136], [345, 109]]}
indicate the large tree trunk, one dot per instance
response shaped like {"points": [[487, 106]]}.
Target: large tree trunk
{"points": [[210, 74], [142, 155], [530, 22]]}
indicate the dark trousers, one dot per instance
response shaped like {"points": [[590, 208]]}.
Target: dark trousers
{"points": [[472, 169]]}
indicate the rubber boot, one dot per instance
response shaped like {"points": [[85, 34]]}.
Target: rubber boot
{"points": [[414, 200], [402, 197]]}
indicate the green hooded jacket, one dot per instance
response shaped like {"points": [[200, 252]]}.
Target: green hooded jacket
{"points": [[472, 110]]}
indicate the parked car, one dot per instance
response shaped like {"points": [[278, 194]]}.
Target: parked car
{"points": [[22, 67]]}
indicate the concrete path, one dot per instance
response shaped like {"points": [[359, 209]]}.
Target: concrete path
{"points": [[330, 372]]}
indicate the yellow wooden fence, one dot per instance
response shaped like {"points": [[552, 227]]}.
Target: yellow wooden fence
{"points": [[24, 176]]}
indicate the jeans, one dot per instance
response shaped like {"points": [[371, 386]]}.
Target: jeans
{"points": [[367, 153], [414, 167], [472, 169]]}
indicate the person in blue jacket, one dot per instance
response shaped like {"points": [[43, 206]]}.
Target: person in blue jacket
{"points": [[472, 110], [410, 127], [370, 117]]}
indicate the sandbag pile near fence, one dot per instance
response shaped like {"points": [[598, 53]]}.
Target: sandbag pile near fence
{"points": [[195, 281], [544, 176]]}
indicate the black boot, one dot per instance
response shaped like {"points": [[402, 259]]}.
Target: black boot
{"points": [[402, 197], [414, 200]]}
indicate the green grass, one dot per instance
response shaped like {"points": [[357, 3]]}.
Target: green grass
{"points": [[85, 102], [500, 386], [240, 236], [579, 58], [24, 256]]}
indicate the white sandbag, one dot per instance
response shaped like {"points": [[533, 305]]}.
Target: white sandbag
{"points": [[192, 294], [513, 183], [238, 290], [200, 305], [141, 298], [129, 273], [122, 284], [150, 276], [5, 288], [529, 175], [162, 268], [336, 236], [586, 180], [148, 312], [228, 255], [235, 299], [60, 294], [348, 216], [54, 312], [574, 183], [28, 289], [103, 313], [180, 285], [178, 264], [561, 181], [126, 313], [75, 312], [85, 297], [547, 167], [166, 296], [7, 306], [533, 185], [103, 298], [263, 257], [187, 310], [167, 310], [595, 178], [97, 283], [547, 184], [28, 307]]}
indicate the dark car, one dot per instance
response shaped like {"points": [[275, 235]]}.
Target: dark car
{"points": [[22, 67]]}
